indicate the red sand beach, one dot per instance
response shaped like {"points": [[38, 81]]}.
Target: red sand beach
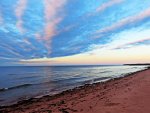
{"points": [[130, 94]]}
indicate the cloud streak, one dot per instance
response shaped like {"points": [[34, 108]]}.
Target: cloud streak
{"points": [[52, 19], [132, 19], [11, 50], [19, 11], [103, 7], [29, 46], [131, 44], [107, 5]]}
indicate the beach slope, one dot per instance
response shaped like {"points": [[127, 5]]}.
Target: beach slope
{"points": [[130, 94]]}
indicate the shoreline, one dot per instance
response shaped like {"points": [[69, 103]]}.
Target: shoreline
{"points": [[75, 91], [69, 90]]}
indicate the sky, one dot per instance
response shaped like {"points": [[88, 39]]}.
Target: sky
{"points": [[74, 32]]}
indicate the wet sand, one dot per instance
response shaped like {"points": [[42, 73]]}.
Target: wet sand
{"points": [[130, 94]]}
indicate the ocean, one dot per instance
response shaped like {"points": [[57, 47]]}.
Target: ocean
{"points": [[24, 82]]}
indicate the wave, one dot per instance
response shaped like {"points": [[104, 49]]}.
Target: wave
{"points": [[105, 71], [96, 80], [102, 78], [76, 79], [15, 87]]}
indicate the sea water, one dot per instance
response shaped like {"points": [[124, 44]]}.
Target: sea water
{"points": [[24, 82]]}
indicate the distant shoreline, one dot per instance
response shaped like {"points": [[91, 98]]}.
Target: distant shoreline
{"points": [[140, 64], [63, 97]]}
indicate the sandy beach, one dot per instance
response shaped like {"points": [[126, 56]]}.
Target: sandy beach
{"points": [[129, 94]]}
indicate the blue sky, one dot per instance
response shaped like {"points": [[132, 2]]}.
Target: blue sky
{"points": [[67, 32]]}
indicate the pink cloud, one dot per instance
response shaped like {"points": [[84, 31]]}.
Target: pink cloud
{"points": [[52, 17], [131, 43], [19, 11], [103, 7], [50, 29], [108, 4], [132, 19]]}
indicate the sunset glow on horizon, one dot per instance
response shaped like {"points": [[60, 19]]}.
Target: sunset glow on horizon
{"points": [[74, 32]]}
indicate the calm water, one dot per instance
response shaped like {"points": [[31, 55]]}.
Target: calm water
{"points": [[18, 83]]}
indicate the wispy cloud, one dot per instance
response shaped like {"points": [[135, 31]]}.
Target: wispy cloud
{"points": [[132, 19], [103, 7], [11, 51], [107, 5], [126, 37], [19, 11], [131, 44], [6, 58], [52, 17], [29, 46]]}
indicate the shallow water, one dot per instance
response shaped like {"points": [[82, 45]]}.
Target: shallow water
{"points": [[19, 83]]}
